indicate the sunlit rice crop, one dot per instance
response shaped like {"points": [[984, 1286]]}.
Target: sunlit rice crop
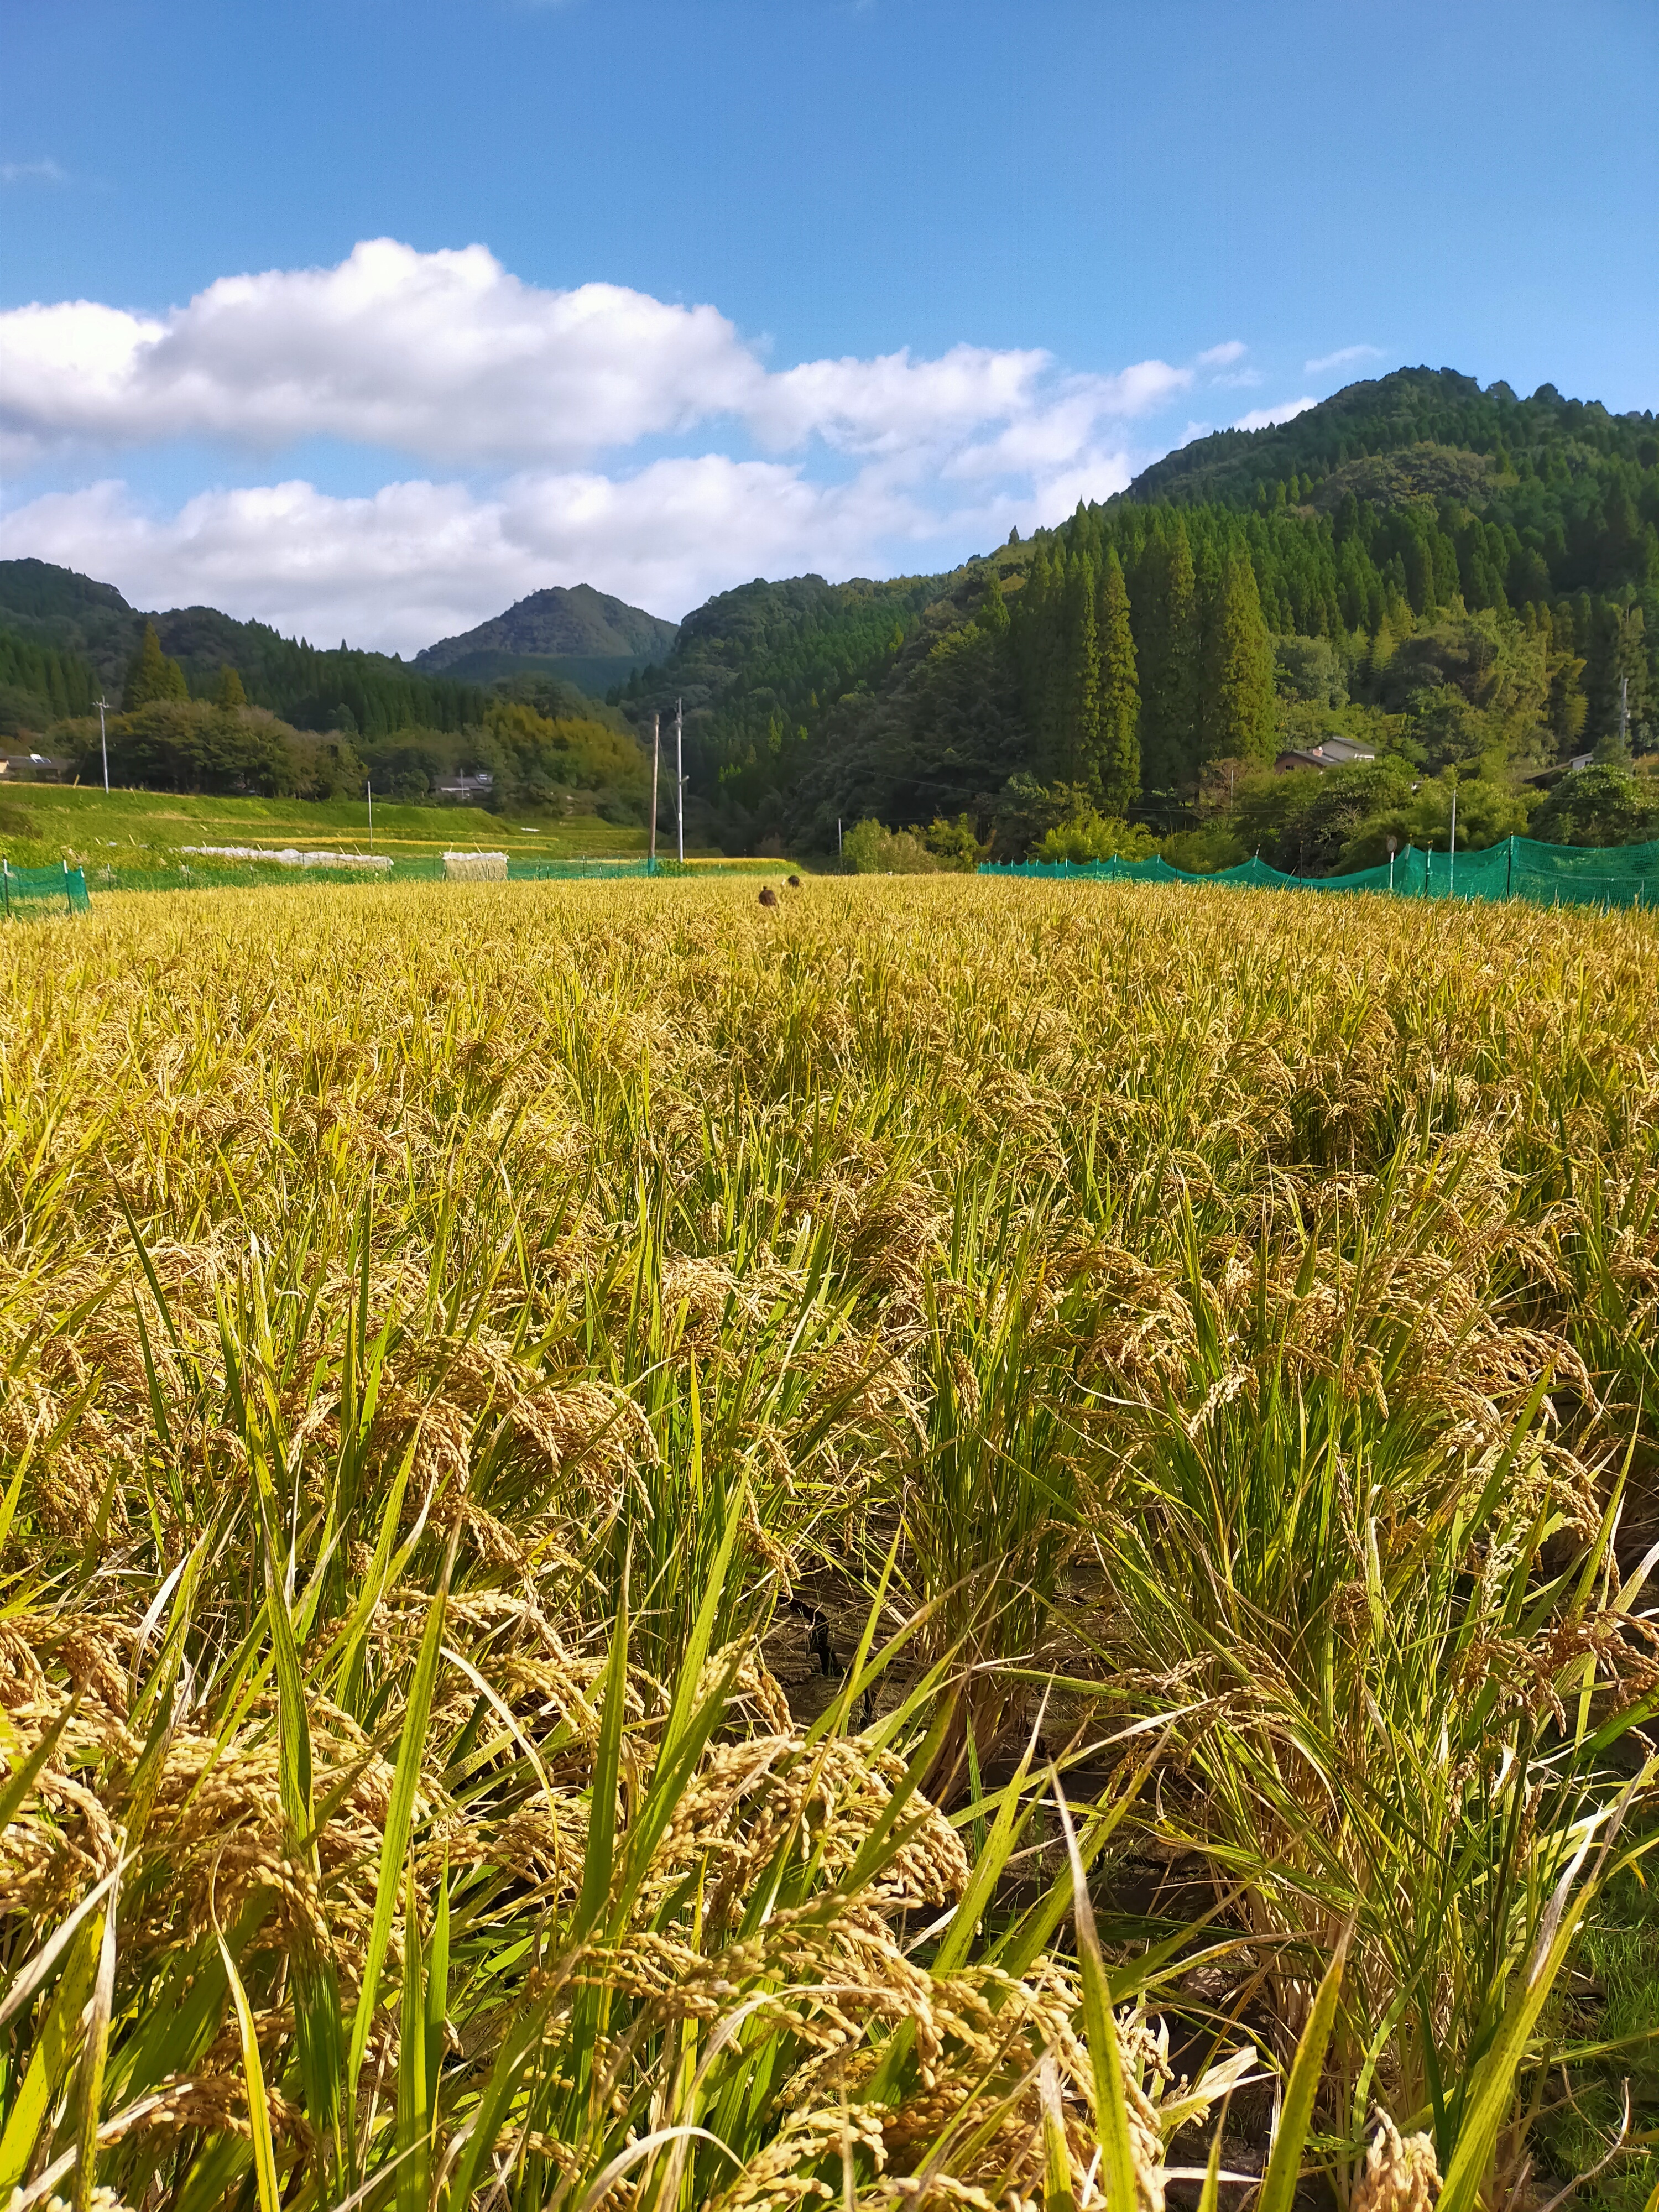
{"points": [[668, 1553]]}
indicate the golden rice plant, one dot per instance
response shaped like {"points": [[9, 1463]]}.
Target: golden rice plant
{"points": [[1192, 1373]]}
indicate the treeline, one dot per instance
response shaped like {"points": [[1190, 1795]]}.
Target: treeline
{"points": [[312, 687], [1208, 590], [38, 686], [1423, 630], [1439, 573], [184, 655], [168, 741], [186, 744]]}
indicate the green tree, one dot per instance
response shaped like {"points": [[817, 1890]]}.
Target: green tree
{"points": [[1567, 707], [870, 849], [1090, 836], [1166, 598], [1237, 714], [1119, 752], [229, 695], [992, 613], [956, 843], [1042, 644], [1076, 754], [1601, 806], [152, 676]]}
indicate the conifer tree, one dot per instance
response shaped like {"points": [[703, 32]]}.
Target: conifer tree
{"points": [[992, 614], [1119, 775], [1076, 757], [152, 675], [1040, 643], [1238, 704], [230, 695], [1167, 648]]}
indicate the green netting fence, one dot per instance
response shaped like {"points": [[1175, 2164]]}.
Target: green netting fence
{"points": [[206, 873], [1547, 875], [24, 891]]}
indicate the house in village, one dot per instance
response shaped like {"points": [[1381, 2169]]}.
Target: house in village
{"points": [[1329, 752]]}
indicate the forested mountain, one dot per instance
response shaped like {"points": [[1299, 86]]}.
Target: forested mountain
{"points": [[1462, 584], [1458, 579], [92, 635], [1512, 440], [203, 702], [758, 669], [586, 636]]}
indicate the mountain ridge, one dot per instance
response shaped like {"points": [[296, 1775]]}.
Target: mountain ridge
{"points": [[551, 631], [1406, 408], [1419, 548], [1383, 528], [92, 631]]}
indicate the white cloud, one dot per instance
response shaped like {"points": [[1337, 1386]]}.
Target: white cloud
{"points": [[445, 354], [1263, 418], [1139, 390], [32, 172], [450, 357], [544, 397], [418, 561], [1341, 358]]}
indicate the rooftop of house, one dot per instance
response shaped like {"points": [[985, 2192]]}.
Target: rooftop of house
{"points": [[1329, 752]]}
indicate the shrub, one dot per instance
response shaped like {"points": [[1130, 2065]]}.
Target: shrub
{"points": [[1600, 806], [1088, 835], [870, 849], [956, 843]]}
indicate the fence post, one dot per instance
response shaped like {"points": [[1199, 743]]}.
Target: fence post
{"points": [[69, 896], [1509, 879], [5, 884]]}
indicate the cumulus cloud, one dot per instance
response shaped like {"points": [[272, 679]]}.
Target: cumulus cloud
{"points": [[1341, 358], [450, 357], [418, 561], [1263, 418], [445, 354], [542, 401]]}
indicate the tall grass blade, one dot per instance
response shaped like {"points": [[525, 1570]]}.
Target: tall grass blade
{"points": [[1279, 2183], [259, 2104]]}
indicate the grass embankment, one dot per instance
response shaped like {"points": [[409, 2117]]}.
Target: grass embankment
{"points": [[40, 823], [478, 1358]]}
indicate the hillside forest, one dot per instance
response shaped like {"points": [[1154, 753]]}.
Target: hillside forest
{"points": [[545, 747], [1460, 584]]}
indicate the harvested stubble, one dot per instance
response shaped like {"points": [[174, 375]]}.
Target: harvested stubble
{"points": [[439, 1328]]}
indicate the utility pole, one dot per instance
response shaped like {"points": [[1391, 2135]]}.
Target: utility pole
{"points": [[679, 777], [1624, 715], [656, 754], [1451, 864], [103, 743]]}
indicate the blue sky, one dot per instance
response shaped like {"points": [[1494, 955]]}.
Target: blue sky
{"points": [[757, 285]]}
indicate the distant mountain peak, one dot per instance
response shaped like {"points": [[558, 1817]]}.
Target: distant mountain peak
{"points": [[1408, 411], [563, 622]]}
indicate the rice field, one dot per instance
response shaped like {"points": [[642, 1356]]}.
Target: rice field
{"points": [[952, 1544]]}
